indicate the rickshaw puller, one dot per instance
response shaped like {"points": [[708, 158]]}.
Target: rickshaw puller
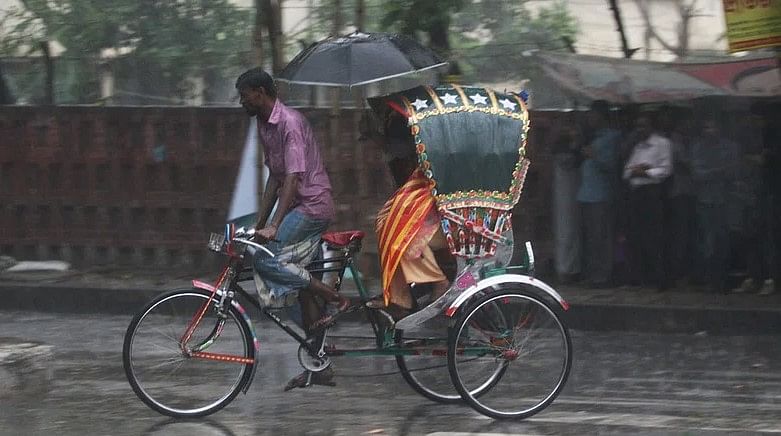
{"points": [[297, 178]]}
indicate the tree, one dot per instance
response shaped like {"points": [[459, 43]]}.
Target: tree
{"points": [[152, 46], [5, 94], [687, 10], [364, 17], [467, 32], [270, 12], [432, 17], [502, 32]]}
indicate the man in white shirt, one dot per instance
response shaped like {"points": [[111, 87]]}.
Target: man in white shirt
{"points": [[649, 165]]}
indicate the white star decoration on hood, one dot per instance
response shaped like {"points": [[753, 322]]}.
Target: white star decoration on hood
{"points": [[507, 104], [449, 98], [477, 98], [420, 104]]}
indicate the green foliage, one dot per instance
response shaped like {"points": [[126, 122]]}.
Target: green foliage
{"points": [[324, 14], [420, 15], [152, 46], [502, 31], [486, 38]]}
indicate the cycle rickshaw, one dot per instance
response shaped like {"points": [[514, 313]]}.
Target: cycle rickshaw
{"points": [[496, 335]]}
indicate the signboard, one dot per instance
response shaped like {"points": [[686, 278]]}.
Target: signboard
{"points": [[752, 24]]}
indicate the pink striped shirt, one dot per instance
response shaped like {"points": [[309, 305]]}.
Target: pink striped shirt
{"points": [[290, 147]]}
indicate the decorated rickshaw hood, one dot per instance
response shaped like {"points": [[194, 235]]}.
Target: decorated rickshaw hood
{"points": [[470, 141]]}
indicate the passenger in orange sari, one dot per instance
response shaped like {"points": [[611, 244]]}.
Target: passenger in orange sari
{"points": [[408, 233], [408, 229]]}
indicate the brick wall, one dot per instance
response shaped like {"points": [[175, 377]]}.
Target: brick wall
{"points": [[144, 186]]}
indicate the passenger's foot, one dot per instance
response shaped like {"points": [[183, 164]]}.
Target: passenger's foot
{"points": [[376, 303], [343, 306], [322, 378]]}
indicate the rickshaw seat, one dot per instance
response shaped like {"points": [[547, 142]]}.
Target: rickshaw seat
{"points": [[343, 239]]}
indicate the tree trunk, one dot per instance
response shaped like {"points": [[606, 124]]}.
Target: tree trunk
{"points": [[360, 15], [49, 65], [336, 18], [360, 23], [336, 92], [686, 13], [5, 93], [620, 28], [438, 37], [272, 13], [276, 36], [257, 34]]}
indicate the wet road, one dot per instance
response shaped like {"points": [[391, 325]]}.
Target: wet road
{"points": [[620, 384]]}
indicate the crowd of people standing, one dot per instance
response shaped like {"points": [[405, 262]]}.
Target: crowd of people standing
{"points": [[669, 196]]}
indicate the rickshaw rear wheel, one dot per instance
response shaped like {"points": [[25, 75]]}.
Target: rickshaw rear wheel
{"points": [[426, 369], [524, 335], [427, 374]]}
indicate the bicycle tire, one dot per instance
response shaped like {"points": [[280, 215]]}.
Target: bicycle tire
{"points": [[484, 403], [444, 392], [204, 373], [408, 372]]}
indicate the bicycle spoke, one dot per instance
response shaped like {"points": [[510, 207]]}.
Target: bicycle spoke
{"points": [[173, 350], [167, 336], [170, 361]]}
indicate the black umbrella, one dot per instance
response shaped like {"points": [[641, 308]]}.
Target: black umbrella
{"points": [[359, 59]]}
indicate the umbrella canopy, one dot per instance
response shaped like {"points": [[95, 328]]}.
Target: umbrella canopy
{"points": [[359, 59]]}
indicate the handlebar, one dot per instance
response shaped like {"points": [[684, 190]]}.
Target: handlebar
{"points": [[244, 236]]}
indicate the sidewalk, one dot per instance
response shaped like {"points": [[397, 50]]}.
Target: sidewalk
{"points": [[124, 291]]}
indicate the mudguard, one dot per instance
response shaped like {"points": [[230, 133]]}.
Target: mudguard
{"points": [[538, 284]]}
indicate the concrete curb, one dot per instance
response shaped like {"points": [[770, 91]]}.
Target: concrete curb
{"points": [[23, 366], [601, 316], [654, 319]]}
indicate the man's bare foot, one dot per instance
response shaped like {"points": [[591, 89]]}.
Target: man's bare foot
{"points": [[344, 305]]}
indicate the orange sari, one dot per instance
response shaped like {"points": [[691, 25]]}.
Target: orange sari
{"points": [[405, 225]]}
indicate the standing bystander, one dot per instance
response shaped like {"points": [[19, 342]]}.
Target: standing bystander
{"points": [[714, 166], [596, 196], [755, 233], [566, 215], [649, 165]]}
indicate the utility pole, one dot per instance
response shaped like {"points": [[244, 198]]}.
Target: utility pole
{"points": [[620, 27]]}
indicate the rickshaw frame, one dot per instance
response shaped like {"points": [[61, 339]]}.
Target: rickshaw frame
{"points": [[483, 283]]}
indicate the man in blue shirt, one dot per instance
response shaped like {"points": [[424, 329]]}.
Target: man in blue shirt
{"points": [[596, 194]]}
